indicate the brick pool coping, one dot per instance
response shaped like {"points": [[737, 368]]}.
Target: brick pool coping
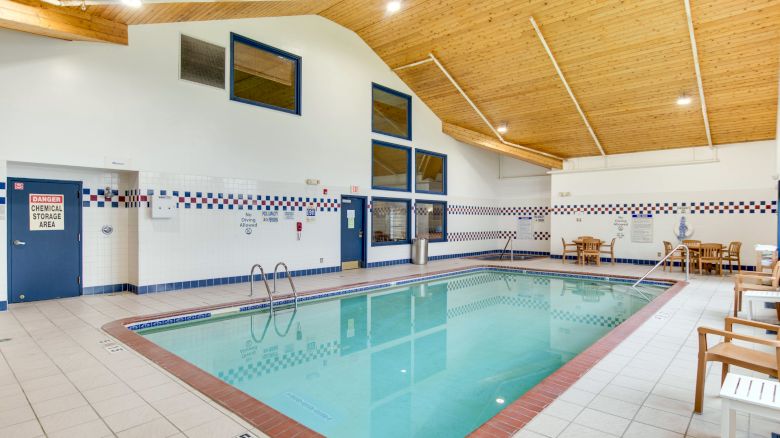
{"points": [[275, 424]]}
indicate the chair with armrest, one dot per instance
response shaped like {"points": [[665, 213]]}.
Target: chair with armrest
{"points": [[569, 248], [609, 249], [755, 281], [729, 353]]}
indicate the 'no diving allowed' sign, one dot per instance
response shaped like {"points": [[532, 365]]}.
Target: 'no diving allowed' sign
{"points": [[47, 212]]}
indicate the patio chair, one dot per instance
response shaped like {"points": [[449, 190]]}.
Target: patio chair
{"points": [[711, 253], [591, 248], [609, 249], [693, 247], [678, 255], [569, 248], [728, 353], [732, 255], [755, 281]]}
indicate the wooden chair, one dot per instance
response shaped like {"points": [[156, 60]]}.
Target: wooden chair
{"points": [[591, 248], [569, 248], [609, 249], [678, 255], [711, 253], [693, 246], [732, 255], [755, 281], [729, 354]]}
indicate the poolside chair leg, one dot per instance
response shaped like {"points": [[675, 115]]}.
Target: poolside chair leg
{"points": [[737, 302], [701, 369], [724, 371]]}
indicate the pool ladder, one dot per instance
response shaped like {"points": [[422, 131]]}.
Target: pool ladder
{"points": [[267, 287]]}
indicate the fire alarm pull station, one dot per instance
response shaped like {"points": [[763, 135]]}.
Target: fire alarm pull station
{"points": [[299, 228]]}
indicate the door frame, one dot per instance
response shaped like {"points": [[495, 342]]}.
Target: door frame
{"points": [[364, 259], [9, 215]]}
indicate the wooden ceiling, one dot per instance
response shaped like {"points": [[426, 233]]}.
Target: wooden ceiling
{"points": [[626, 63]]}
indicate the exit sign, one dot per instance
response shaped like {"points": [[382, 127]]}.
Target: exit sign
{"points": [[354, 189]]}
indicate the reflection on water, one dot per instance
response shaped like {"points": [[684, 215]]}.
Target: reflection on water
{"points": [[432, 359]]}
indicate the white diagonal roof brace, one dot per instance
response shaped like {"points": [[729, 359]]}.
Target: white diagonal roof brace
{"points": [[695, 51], [566, 84]]}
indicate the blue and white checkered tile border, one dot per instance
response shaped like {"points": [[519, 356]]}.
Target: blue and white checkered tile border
{"points": [[137, 198], [480, 210], [366, 288], [464, 236], [278, 362], [169, 321], [694, 207]]}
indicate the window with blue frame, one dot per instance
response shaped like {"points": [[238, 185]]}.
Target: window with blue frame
{"points": [[430, 220], [390, 221], [263, 75], [390, 166], [431, 174], [391, 112]]}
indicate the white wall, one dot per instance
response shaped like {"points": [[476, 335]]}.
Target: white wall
{"points": [[734, 173], [73, 110]]}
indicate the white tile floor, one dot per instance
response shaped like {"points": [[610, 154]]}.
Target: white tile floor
{"points": [[57, 378]]}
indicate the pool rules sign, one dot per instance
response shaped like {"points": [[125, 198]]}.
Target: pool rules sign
{"points": [[47, 212]]}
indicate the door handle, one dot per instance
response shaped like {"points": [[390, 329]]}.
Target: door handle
{"points": [[360, 234], [19, 243]]}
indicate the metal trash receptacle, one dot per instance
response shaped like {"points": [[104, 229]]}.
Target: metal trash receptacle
{"points": [[420, 251]]}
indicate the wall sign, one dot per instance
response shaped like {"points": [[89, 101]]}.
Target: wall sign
{"points": [[47, 212], [289, 215], [642, 228], [524, 228], [271, 216], [621, 223], [248, 223]]}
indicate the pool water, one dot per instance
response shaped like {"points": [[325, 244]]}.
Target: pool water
{"points": [[437, 358]]}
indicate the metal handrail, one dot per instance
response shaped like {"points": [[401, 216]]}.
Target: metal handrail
{"points": [[687, 264], [289, 277], [511, 250], [252, 284]]}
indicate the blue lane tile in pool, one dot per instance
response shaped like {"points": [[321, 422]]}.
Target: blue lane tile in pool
{"points": [[435, 359]]}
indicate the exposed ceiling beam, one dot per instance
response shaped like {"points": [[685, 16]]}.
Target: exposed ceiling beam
{"points": [[491, 144], [566, 84], [57, 22], [695, 51]]}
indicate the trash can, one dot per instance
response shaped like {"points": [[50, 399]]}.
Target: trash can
{"points": [[420, 251]]}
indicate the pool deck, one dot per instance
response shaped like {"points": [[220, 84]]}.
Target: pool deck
{"points": [[62, 375]]}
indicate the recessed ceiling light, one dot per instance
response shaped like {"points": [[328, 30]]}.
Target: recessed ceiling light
{"points": [[684, 99], [502, 128], [393, 6], [132, 3]]}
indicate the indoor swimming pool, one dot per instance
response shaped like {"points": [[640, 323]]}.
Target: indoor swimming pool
{"points": [[436, 357]]}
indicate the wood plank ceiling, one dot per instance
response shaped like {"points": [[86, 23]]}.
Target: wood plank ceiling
{"points": [[626, 62]]}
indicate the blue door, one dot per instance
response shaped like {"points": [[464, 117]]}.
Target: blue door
{"points": [[353, 232], [44, 239]]}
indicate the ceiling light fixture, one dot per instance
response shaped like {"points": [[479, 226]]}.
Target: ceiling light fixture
{"points": [[502, 128], [394, 6], [132, 3], [684, 99]]}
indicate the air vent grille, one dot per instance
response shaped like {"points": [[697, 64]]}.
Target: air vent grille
{"points": [[202, 62]]}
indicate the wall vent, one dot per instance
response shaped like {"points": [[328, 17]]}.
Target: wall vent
{"points": [[202, 62]]}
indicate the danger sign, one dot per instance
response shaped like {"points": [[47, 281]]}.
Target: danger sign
{"points": [[47, 212]]}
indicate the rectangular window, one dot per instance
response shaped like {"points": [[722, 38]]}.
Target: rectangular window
{"points": [[391, 112], [431, 220], [431, 175], [390, 168], [201, 62], [390, 221], [263, 75]]}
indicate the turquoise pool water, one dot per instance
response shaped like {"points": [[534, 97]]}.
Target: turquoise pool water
{"points": [[433, 359]]}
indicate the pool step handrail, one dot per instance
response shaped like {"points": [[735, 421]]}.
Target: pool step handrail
{"points": [[289, 278], [511, 250], [687, 263], [252, 284]]}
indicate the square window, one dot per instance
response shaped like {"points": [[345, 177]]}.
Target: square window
{"points": [[431, 174], [390, 221], [390, 166], [431, 220], [263, 75], [391, 112]]}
